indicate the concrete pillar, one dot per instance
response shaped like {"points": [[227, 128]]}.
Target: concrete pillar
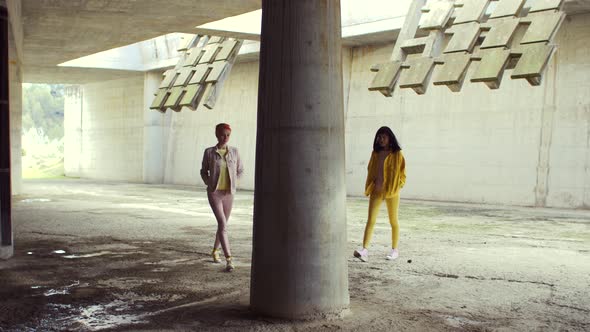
{"points": [[15, 42], [16, 119], [299, 265], [153, 132], [6, 244], [73, 117]]}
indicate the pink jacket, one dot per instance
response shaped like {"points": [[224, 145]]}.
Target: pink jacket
{"points": [[210, 167]]}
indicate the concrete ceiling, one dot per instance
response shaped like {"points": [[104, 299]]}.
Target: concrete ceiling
{"points": [[384, 33], [55, 31], [573, 7]]}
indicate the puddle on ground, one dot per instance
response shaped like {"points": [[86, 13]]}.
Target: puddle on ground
{"points": [[116, 313], [98, 317], [133, 298], [96, 254], [127, 283], [171, 262], [92, 318], [61, 291], [105, 252], [122, 308], [33, 200], [52, 292]]}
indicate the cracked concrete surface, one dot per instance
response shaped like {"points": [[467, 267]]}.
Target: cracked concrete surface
{"points": [[115, 256]]}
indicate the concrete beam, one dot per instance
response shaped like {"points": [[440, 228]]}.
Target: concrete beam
{"points": [[364, 32], [154, 132], [65, 75], [15, 16], [226, 33], [574, 7], [408, 30]]}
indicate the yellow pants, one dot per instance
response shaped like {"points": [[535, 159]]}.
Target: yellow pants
{"points": [[392, 207]]}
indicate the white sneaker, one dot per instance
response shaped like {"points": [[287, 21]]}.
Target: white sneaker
{"points": [[393, 254], [362, 254]]}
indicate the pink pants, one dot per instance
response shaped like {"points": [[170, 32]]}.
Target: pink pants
{"points": [[221, 202]]}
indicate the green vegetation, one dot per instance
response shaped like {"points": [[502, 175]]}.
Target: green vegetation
{"points": [[43, 108], [43, 131], [45, 171]]}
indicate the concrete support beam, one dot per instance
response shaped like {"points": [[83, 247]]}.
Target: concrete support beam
{"points": [[15, 17], [73, 116], [153, 132], [6, 244], [408, 31], [226, 33], [15, 96], [299, 269]]}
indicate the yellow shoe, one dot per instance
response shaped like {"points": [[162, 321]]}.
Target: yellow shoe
{"points": [[229, 265], [215, 255]]}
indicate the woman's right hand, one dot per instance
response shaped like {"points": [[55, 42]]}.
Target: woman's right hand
{"points": [[377, 187]]}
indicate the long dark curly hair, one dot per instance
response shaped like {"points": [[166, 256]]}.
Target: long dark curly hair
{"points": [[393, 143]]}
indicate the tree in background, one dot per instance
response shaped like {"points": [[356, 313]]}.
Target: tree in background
{"points": [[43, 109], [43, 130]]}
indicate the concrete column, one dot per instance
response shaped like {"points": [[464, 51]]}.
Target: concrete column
{"points": [[299, 266], [6, 244], [153, 132], [546, 134], [16, 119], [73, 117]]}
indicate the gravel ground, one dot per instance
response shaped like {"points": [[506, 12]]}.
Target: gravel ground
{"points": [[132, 257]]}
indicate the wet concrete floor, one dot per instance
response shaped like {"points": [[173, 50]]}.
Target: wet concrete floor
{"points": [[113, 256]]}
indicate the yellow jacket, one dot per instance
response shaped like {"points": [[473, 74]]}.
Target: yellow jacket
{"points": [[394, 173]]}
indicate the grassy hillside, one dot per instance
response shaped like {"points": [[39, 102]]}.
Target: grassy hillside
{"points": [[43, 168]]}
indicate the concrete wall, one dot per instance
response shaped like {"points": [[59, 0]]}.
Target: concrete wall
{"points": [[110, 119], [191, 132], [73, 130], [155, 131], [478, 145], [16, 115], [567, 118], [185, 135], [518, 145]]}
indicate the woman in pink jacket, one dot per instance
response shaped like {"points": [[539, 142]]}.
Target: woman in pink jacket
{"points": [[221, 169]]}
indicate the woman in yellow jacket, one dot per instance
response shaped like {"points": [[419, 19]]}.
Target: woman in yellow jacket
{"points": [[386, 176]]}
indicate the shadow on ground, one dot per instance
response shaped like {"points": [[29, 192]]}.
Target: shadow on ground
{"points": [[128, 257]]}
